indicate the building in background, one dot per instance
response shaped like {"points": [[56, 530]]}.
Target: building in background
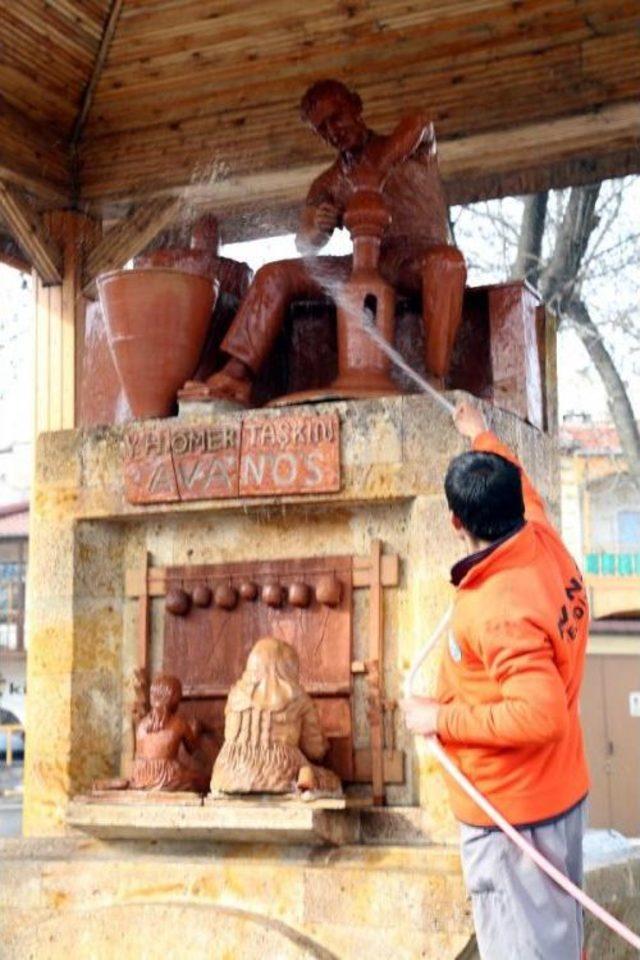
{"points": [[601, 524], [14, 548]]}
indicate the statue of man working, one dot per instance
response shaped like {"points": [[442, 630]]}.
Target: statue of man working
{"points": [[415, 256]]}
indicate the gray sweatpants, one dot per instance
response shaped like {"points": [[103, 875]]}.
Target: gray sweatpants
{"points": [[519, 913]]}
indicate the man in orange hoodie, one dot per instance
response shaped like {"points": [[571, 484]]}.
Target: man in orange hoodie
{"points": [[506, 706]]}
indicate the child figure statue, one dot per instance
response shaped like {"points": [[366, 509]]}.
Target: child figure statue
{"points": [[272, 735], [159, 736]]}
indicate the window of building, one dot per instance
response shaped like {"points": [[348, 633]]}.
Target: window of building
{"points": [[629, 529], [12, 586]]}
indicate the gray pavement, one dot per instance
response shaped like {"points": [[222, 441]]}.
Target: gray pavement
{"points": [[11, 799]]}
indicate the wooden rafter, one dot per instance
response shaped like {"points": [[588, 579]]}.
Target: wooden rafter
{"points": [[30, 233], [518, 160], [31, 158], [129, 237], [101, 56], [12, 256]]}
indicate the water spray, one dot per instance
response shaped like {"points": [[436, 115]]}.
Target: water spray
{"points": [[397, 358]]}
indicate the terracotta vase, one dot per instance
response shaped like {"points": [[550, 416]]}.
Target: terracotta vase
{"points": [[157, 321], [299, 594], [248, 590], [201, 595], [272, 594], [225, 596], [363, 369], [329, 590], [202, 262], [178, 602]]}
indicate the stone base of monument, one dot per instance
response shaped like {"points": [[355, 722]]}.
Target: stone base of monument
{"points": [[132, 815], [195, 409], [141, 876], [66, 898]]}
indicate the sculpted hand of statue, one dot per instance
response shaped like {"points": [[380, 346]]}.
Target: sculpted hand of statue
{"points": [[317, 223]]}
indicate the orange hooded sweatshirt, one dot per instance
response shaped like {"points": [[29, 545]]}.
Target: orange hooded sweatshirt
{"points": [[511, 672]]}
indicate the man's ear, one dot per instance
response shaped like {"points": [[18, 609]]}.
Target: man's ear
{"points": [[456, 522]]}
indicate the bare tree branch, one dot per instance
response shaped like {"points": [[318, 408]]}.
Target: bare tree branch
{"points": [[529, 257], [559, 283], [617, 396], [559, 279]]}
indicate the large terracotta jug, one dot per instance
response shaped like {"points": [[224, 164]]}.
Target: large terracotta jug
{"points": [[157, 321]]}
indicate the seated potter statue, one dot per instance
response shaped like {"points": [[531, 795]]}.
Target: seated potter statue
{"points": [[159, 737], [415, 255], [272, 734]]}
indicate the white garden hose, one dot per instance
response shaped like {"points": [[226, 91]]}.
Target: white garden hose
{"points": [[437, 750]]}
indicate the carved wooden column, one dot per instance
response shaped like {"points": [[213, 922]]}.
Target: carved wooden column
{"points": [[59, 319]]}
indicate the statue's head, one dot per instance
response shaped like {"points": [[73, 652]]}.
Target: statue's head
{"points": [[165, 692], [271, 673], [335, 113], [263, 659]]}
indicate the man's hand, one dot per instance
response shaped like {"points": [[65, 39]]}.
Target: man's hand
{"points": [[469, 421], [421, 715], [325, 217]]}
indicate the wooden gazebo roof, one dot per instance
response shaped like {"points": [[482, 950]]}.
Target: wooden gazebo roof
{"points": [[107, 104]]}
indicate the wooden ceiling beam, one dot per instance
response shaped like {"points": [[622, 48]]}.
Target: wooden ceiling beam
{"points": [[32, 158], [129, 237], [570, 150], [30, 233], [11, 254], [89, 91]]}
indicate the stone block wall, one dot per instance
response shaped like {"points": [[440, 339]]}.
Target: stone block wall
{"points": [[85, 535]]}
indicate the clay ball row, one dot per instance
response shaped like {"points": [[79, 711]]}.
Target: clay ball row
{"points": [[328, 591]]}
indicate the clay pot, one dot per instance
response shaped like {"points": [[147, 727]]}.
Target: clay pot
{"points": [[201, 595], [363, 368], [156, 321], [329, 590], [248, 590], [178, 601], [225, 596], [201, 262], [272, 593], [299, 594]]}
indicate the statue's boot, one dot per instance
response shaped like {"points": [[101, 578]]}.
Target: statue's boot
{"points": [[221, 386]]}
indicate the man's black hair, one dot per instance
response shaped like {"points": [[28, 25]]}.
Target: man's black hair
{"points": [[484, 491]]}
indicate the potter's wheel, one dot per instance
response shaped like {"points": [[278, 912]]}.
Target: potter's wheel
{"points": [[341, 389]]}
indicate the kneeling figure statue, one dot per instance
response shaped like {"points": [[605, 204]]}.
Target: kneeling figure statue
{"points": [[272, 734], [159, 737]]}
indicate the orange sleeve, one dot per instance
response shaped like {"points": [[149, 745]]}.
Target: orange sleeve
{"points": [[533, 503], [533, 707]]}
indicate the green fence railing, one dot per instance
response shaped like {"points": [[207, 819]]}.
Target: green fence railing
{"points": [[613, 564]]}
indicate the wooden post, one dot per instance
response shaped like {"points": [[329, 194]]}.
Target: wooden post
{"points": [[60, 324], [141, 673], [375, 668]]}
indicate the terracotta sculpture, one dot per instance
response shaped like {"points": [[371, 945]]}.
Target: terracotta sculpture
{"points": [[414, 252], [201, 257], [159, 737], [272, 735], [151, 352]]}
